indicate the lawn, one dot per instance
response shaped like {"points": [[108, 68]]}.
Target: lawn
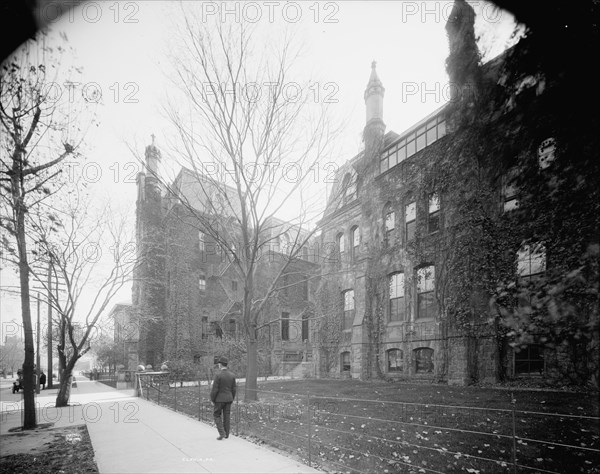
{"points": [[375, 426]]}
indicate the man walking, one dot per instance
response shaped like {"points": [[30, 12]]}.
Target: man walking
{"points": [[222, 395]]}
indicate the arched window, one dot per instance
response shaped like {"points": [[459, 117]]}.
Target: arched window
{"points": [[348, 305], [389, 222], [531, 260], [395, 360], [355, 235], [397, 306], [423, 360], [425, 292], [339, 240], [345, 362]]}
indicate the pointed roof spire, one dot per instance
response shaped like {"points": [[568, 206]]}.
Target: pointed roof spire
{"points": [[375, 85]]}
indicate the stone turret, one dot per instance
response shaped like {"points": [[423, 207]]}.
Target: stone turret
{"points": [[464, 60], [374, 126]]}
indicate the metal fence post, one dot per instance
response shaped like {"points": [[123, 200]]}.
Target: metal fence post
{"points": [[308, 411], [199, 399], [514, 434], [237, 418], [175, 398]]}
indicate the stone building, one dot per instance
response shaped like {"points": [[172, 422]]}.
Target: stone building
{"points": [[187, 292], [429, 241], [406, 227]]}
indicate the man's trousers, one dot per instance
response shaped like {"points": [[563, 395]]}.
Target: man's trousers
{"points": [[224, 423]]}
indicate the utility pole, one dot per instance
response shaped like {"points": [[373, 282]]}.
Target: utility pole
{"points": [[37, 352], [49, 378]]}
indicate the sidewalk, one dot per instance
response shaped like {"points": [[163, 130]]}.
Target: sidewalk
{"points": [[132, 435]]}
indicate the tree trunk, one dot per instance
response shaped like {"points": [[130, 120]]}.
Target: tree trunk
{"points": [[251, 370], [64, 387], [29, 418]]}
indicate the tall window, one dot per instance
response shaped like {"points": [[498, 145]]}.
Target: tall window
{"points": [[285, 326], [231, 328], [285, 285], [340, 245], [204, 327], [510, 191], [305, 287], [234, 285], [397, 307], [202, 283], [348, 316], [395, 360], [434, 213], [349, 188], [410, 217], [531, 260], [389, 223], [305, 327], [546, 153], [201, 241], [345, 361], [355, 233], [423, 360], [425, 293]]}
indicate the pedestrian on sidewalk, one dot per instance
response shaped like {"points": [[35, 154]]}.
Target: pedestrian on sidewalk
{"points": [[43, 380], [222, 395]]}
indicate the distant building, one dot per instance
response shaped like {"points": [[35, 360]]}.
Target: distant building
{"points": [[126, 334]]}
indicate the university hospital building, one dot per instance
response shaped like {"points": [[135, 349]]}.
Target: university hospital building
{"points": [[376, 307]]}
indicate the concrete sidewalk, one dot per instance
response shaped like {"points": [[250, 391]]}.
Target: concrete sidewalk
{"points": [[132, 435]]}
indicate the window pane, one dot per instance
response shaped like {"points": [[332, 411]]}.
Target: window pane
{"points": [[401, 154], [355, 237], [390, 221], [425, 279], [425, 305], [340, 242], [395, 360], [410, 148], [431, 136], [348, 300], [397, 285], [546, 152], [411, 212], [424, 360], [420, 142], [410, 230], [393, 159], [434, 202], [441, 128], [384, 165]]}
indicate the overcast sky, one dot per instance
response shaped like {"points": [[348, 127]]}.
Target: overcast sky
{"points": [[124, 50]]}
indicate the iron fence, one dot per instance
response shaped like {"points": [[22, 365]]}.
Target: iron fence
{"points": [[332, 432]]}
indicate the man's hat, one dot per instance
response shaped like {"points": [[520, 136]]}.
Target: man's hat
{"points": [[223, 360]]}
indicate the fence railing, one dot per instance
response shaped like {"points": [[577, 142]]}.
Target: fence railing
{"points": [[332, 431]]}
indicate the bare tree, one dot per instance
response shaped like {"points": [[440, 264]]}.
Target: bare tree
{"points": [[252, 143], [37, 134], [92, 254]]}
